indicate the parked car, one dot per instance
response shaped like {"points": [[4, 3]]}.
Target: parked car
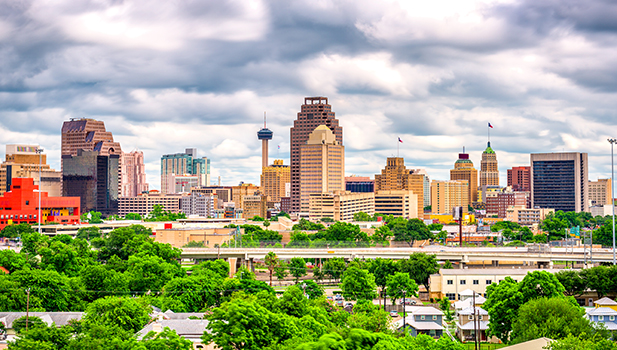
{"points": [[338, 297], [394, 314], [408, 301], [348, 304]]}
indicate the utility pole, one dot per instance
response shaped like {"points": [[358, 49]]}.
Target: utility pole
{"points": [[475, 329], [404, 313], [40, 152], [613, 141], [27, 306]]}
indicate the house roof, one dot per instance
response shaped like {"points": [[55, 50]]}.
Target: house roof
{"points": [[423, 310], [604, 311], [463, 304], [469, 326], [491, 271], [468, 293], [605, 302], [59, 318], [422, 326], [472, 311], [536, 344], [189, 329]]}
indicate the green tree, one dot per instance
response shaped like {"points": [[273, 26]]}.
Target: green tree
{"points": [[381, 269], [50, 290], [573, 342], [191, 294], [572, 282], [554, 318], [444, 305], [42, 337], [166, 340], [14, 231], [414, 230], [299, 239], [369, 317], [305, 225], [93, 217], [502, 303], [133, 216], [382, 236], [538, 284], [245, 324], [334, 267], [362, 217], [128, 314], [312, 289], [555, 226], [281, 271], [343, 233], [435, 227], [150, 273], [256, 218], [88, 233], [420, 267], [19, 324], [447, 265], [100, 281], [13, 261], [358, 284], [400, 283], [271, 261], [598, 278], [297, 268]]}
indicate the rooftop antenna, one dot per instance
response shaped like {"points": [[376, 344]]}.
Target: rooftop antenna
{"points": [[463, 149], [264, 119]]}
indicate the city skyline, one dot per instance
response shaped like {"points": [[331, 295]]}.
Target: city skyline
{"points": [[432, 74]]}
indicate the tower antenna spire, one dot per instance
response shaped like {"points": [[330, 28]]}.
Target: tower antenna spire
{"points": [[264, 119]]}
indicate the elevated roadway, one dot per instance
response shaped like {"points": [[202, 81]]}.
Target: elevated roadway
{"points": [[530, 255]]}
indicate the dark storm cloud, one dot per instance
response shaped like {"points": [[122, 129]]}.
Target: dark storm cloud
{"points": [[542, 72]]}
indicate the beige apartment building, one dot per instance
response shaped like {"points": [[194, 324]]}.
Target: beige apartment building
{"points": [[210, 237], [255, 205], [399, 203], [145, 202], [238, 192], [464, 170], [600, 192], [395, 177], [526, 216], [340, 205], [23, 161], [322, 165], [275, 181], [450, 283], [132, 174], [446, 195]]}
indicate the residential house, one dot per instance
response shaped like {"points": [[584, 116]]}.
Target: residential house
{"points": [[422, 320], [604, 312], [190, 329], [470, 320]]}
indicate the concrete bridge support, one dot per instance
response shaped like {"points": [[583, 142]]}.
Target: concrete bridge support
{"points": [[233, 267]]}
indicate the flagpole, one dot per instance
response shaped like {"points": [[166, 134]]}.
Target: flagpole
{"points": [[398, 146]]}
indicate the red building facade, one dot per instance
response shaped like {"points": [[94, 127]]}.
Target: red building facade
{"points": [[519, 178], [20, 205]]}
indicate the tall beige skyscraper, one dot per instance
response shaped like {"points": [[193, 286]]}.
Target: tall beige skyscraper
{"points": [[314, 112], [464, 170], [489, 171], [322, 165], [395, 177], [600, 192], [133, 174], [446, 195], [275, 180]]}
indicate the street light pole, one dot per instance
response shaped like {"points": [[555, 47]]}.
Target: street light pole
{"points": [[612, 142], [40, 152], [404, 312]]}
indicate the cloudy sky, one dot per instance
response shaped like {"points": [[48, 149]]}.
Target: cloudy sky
{"points": [[167, 75]]}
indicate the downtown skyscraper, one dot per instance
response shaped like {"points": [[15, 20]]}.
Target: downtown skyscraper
{"points": [[314, 112]]}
